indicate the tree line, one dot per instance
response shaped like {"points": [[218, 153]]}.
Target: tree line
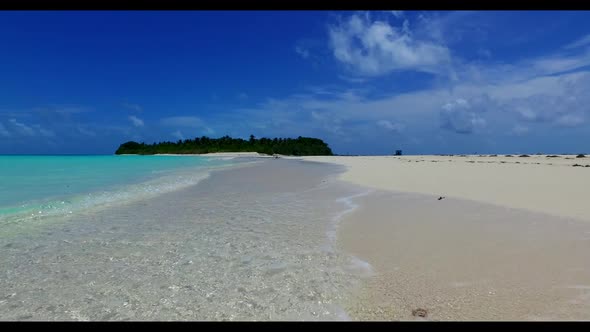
{"points": [[300, 146]]}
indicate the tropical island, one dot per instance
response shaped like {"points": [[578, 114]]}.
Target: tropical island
{"points": [[300, 146]]}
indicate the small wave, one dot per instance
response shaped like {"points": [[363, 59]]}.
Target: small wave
{"points": [[100, 199]]}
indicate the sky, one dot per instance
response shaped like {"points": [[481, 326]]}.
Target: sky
{"points": [[425, 82]]}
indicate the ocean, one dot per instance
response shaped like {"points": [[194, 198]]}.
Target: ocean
{"points": [[32, 187]]}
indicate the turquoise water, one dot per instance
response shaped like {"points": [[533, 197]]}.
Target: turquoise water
{"points": [[33, 186]]}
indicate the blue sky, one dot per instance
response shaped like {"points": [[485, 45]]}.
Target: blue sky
{"points": [[365, 82]]}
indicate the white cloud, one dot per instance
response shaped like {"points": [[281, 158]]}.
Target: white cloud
{"points": [[137, 122], [460, 117], [397, 13], [583, 41], [182, 121], [178, 134], [3, 131], [303, 52], [22, 128], [560, 63], [375, 47]]}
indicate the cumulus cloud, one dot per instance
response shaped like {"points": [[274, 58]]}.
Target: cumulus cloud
{"points": [[376, 47], [137, 122], [460, 117], [182, 121]]}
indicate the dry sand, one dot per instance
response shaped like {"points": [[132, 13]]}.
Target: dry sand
{"points": [[536, 183], [510, 241]]}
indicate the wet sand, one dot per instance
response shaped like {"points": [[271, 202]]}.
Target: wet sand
{"points": [[462, 260]]}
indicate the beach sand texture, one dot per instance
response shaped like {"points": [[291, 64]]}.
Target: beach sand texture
{"points": [[508, 241], [536, 183]]}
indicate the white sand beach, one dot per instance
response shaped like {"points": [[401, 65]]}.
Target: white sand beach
{"points": [[537, 183], [510, 240]]}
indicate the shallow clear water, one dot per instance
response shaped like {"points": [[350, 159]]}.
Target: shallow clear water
{"points": [[251, 243], [35, 186]]}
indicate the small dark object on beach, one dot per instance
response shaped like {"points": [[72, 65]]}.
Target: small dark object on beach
{"points": [[441, 197], [462, 155], [508, 155], [587, 166], [524, 155], [419, 312], [581, 156], [470, 161], [493, 155], [577, 165], [552, 156]]}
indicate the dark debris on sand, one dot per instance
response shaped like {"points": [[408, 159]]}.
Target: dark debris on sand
{"points": [[419, 312]]}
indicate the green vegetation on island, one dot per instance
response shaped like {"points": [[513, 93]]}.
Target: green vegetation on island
{"points": [[300, 146]]}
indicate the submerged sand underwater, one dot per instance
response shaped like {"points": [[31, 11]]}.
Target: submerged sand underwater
{"points": [[245, 244]]}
